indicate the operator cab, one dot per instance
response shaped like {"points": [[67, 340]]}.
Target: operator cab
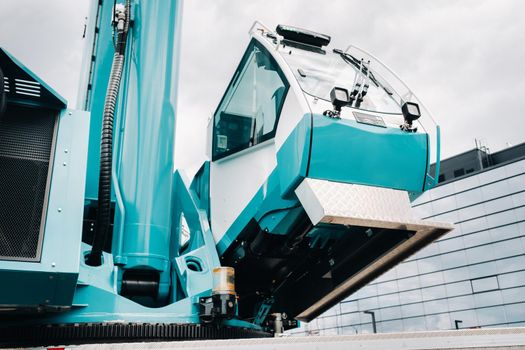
{"points": [[315, 155]]}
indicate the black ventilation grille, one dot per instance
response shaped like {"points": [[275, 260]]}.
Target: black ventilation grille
{"points": [[26, 139]]}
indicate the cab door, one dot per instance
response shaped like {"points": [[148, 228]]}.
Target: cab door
{"points": [[242, 140]]}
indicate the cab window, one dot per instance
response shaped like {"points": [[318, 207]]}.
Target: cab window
{"points": [[250, 108]]}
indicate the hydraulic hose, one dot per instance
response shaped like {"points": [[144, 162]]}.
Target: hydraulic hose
{"points": [[106, 145]]}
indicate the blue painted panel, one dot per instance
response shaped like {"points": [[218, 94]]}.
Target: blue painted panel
{"points": [[200, 185], [52, 281], [347, 151], [200, 247], [25, 289]]}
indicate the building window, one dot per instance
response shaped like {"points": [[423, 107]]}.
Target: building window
{"points": [[441, 178], [250, 108], [459, 172], [484, 284]]}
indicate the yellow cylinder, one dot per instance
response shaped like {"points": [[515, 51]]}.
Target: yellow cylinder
{"points": [[223, 280]]}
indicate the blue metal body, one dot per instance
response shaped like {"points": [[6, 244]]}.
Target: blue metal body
{"points": [[336, 150], [55, 275], [154, 203], [149, 195], [50, 282]]}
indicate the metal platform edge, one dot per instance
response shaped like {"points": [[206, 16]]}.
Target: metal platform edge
{"points": [[488, 338]]}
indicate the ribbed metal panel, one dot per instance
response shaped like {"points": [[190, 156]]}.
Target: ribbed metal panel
{"points": [[26, 140]]}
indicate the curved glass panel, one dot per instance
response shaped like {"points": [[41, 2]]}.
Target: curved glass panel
{"points": [[318, 73], [250, 108], [356, 70]]}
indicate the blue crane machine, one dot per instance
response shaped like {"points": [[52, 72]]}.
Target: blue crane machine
{"points": [[315, 154]]}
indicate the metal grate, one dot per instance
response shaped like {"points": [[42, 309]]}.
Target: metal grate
{"points": [[26, 138]]}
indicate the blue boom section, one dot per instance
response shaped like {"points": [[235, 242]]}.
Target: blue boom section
{"points": [[143, 133], [99, 68], [147, 127]]}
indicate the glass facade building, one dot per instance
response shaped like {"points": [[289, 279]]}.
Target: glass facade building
{"points": [[472, 277]]}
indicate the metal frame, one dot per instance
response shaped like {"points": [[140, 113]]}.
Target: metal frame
{"points": [[48, 188]]}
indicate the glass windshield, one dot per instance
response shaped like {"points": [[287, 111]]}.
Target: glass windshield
{"points": [[319, 73]]}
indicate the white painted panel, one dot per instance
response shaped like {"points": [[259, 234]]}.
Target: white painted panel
{"points": [[235, 180], [291, 114]]}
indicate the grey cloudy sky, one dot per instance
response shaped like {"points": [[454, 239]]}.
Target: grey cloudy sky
{"points": [[464, 59]]}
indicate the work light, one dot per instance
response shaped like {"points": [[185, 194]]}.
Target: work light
{"points": [[411, 112], [339, 97]]}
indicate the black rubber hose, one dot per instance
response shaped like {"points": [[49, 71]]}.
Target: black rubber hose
{"points": [[3, 101], [106, 149]]}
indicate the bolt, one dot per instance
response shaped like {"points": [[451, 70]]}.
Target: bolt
{"points": [[50, 277], [59, 210], [66, 150], [70, 113], [47, 301], [53, 264], [64, 164]]}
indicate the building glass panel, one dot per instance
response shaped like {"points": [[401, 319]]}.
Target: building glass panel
{"points": [[488, 298], [484, 284], [465, 302], [511, 280], [474, 275]]}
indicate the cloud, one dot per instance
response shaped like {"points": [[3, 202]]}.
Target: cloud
{"points": [[47, 37], [464, 59]]}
